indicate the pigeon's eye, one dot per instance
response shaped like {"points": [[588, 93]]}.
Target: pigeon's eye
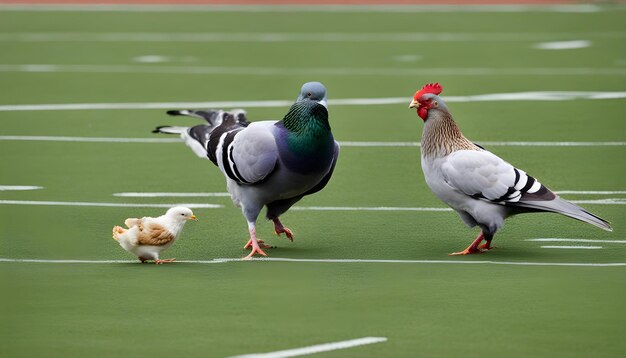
{"points": [[309, 94]]}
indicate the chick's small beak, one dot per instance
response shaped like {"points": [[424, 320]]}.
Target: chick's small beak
{"points": [[193, 217], [414, 104]]}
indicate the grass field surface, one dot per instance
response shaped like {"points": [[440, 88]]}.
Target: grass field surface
{"points": [[547, 298]]}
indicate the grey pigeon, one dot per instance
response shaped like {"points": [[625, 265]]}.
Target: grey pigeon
{"points": [[267, 163], [481, 187]]}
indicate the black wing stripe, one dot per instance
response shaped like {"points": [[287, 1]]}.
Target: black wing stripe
{"points": [[240, 178]]}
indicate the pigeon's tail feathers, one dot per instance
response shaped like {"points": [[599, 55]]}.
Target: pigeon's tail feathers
{"points": [[170, 129], [572, 210], [197, 138], [213, 117]]}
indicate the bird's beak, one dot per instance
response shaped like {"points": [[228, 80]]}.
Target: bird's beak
{"points": [[193, 217], [414, 104]]}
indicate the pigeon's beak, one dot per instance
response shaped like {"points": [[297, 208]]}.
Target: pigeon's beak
{"points": [[414, 104], [193, 217]]}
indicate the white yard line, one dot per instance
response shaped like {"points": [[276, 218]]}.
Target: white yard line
{"points": [[342, 143], [573, 247], [588, 192], [334, 71], [338, 261], [19, 187], [490, 97], [89, 139], [165, 195], [364, 208], [318, 348], [295, 208], [211, 206], [556, 239], [113, 205], [420, 9], [607, 201], [256, 37]]}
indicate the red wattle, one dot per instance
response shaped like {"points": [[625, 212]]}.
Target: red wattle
{"points": [[422, 112]]}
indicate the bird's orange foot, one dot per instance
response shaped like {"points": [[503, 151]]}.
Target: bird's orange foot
{"points": [[486, 246], [260, 242], [279, 228], [255, 250], [469, 251], [166, 261]]}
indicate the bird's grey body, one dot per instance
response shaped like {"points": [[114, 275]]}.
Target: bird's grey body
{"points": [[268, 163], [481, 187]]}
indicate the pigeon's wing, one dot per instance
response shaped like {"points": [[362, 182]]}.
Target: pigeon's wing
{"points": [[154, 234], [485, 176], [248, 156]]}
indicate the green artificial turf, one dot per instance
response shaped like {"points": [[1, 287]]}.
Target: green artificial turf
{"points": [[223, 309]]}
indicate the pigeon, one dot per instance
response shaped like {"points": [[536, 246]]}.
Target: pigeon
{"points": [[270, 164], [480, 186], [147, 237]]}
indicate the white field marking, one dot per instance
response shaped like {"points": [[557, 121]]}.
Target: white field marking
{"points": [[339, 261], [563, 45], [318, 348], [149, 58], [607, 201], [342, 143], [301, 37], [329, 71], [573, 247], [494, 97], [19, 187], [90, 139], [211, 206], [364, 208], [164, 195], [555, 239], [114, 205], [512, 8], [588, 192]]}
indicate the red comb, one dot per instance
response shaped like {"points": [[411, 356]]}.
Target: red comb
{"points": [[434, 88]]}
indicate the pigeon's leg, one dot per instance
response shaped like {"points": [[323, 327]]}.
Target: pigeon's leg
{"points": [[166, 261], [473, 248], [253, 242], [279, 229], [486, 246]]}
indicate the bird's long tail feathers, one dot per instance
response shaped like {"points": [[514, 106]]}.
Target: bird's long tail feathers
{"points": [[566, 208], [213, 117], [197, 137]]}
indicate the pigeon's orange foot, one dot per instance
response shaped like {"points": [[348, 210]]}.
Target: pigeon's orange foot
{"points": [[255, 250], [166, 261], [279, 228], [486, 246], [260, 242]]}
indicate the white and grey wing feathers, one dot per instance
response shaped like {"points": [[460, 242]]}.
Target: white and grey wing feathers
{"points": [[248, 155], [483, 175]]}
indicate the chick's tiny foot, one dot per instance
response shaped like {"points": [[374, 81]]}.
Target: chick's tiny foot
{"points": [[166, 261]]}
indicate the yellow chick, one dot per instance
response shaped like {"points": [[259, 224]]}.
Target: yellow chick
{"points": [[147, 237]]}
